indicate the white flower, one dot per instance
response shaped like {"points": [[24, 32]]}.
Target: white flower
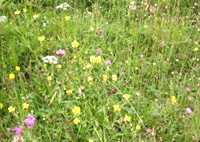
{"points": [[50, 59], [3, 19], [63, 6], [132, 6]]}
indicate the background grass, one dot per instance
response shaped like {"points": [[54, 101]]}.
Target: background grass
{"points": [[151, 81]]}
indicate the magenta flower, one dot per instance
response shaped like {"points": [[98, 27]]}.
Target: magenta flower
{"points": [[187, 89], [30, 121], [60, 52], [18, 130], [100, 32], [162, 43], [99, 51], [188, 110], [108, 62], [149, 131]]}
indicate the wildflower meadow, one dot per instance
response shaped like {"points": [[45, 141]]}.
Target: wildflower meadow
{"points": [[100, 71]]}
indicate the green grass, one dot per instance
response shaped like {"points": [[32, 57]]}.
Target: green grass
{"points": [[151, 81]]}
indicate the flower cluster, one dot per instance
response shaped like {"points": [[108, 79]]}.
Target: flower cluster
{"points": [[50, 59], [63, 6]]}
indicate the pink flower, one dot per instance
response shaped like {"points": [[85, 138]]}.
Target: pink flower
{"points": [[99, 51], [149, 131], [188, 110], [18, 130], [82, 88], [141, 56], [108, 62], [152, 9], [60, 52], [10, 130], [100, 32], [187, 89], [162, 43], [30, 121]]}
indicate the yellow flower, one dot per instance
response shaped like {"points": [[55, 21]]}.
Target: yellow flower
{"points": [[49, 78], [12, 76], [69, 92], [173, 99], [17, 12], [98, 59], [67, 18], [75, 57], [75, 44], [41, 38], [11, 109], [105, 77], [76, 111], [116, 108], [76, 121], [88, 65], [1, 105], [59, 66], [35, 16], [127, 118], [24, 10], [25, 106], [196, 49], [138, 127], [126, 96], [90, 140], [92, 59], [17, 68], [90, 79], [114, 77]]}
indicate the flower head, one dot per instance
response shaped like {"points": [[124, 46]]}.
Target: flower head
{"points": [[24, 10], [187, 89], [1, 105], [17, 68], [50, 59], [76, 121], [75, 44], [41, 38], [162, 43], [69, 92], [76, 110], [12, 76], [18, 130], [188, 110], [149, 131], [67, 18], [100, 32], [127, 118], [60, 52], [99, 51], [30, 121], [11, 109], [114, 77], [126, 96], [35, 16], [173, 99], [17, 12], [108, 62], [25, 106], [116, 108], [63, 6], [138, 127]]}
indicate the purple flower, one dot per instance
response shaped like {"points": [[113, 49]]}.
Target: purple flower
{"points": [[82, 88], [18, 130], [108, 62], [10, 130], [100, 32], [30, 121], [60, 52], [149, 131], [188, 110], [99, 51], [162, 43]]}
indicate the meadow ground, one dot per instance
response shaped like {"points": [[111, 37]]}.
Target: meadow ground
{"points": [[100, 71]]}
